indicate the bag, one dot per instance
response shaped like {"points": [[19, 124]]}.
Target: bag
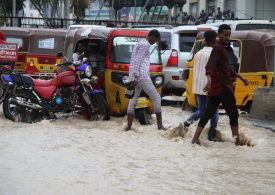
{"points": [[130, 92]]}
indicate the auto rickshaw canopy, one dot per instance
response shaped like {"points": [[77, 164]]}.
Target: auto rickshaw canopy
{"points": [[47, 41], [257, 50], [85, 33], [20, 36]]}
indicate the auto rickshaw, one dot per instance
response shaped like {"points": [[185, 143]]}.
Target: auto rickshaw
{"points": [[252, 56], [120, 46], [19, 36], [94, 40], [43, 46]]}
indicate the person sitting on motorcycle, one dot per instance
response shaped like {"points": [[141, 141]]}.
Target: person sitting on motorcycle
{"points": [[80, 53]]}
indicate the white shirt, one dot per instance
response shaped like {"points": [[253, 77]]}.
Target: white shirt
{"points": [[140, 61], [199, 77], [76, 56]]}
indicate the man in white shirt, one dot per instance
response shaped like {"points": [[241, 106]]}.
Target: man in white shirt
{"points": [[199, 83], [139, 75], [79, 54]]}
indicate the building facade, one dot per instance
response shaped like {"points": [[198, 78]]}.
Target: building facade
{"points": [[243, 9]]}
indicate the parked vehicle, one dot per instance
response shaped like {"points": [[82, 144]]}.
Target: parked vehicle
{"points": [[69, 91], [252, 57], [41, 57], [8, 57], [19, 36], [4, 87], [244, 24], [120, 46]]}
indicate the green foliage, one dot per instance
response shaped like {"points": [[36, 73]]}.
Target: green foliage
{"points": [[6, 7]]}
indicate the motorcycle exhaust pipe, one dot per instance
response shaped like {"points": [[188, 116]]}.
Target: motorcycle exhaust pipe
{"points": [[26, 104]]}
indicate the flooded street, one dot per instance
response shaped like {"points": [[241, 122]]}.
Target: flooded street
{"points": [[74, 156]]}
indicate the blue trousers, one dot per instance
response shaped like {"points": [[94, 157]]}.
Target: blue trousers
{"points": [[202, 101]]}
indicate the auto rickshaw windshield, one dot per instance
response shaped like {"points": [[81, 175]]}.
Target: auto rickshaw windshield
{"points": [[123, 46]]}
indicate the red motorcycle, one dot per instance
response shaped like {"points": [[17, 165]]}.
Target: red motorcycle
{"points": [[70, 91]]}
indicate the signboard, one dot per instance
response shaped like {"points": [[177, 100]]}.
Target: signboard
{"points": [[8, 52]]}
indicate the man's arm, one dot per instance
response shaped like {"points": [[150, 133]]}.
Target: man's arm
{"points": [[244, 80], [211, 67]]}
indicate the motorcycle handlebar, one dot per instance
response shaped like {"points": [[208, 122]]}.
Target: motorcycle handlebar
{"points": [[65, 63]]}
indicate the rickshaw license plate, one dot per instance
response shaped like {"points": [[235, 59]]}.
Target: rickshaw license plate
{"points": [[46, 68]]}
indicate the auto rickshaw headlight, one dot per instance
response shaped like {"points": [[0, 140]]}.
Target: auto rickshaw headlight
{"points": [[88, 71], [125, 80], [158, 81]]}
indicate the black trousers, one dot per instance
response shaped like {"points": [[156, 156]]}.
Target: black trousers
{"points": [[228, 101]]}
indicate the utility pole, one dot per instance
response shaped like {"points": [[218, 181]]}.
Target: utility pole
{"points": [[66, 12], [14, 12], [66, 9], [135, 11], [13, 8]]}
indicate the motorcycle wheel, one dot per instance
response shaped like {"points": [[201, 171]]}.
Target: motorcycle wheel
{"points": [[101, 111], [19, 113], [3, 92]]}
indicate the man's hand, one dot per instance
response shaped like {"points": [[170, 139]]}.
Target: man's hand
{"points": [[244, 80], [207, 87], [134, 83]]}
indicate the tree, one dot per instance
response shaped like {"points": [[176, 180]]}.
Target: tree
{"points": [[6, 7], [79, 7], [42, 7]]}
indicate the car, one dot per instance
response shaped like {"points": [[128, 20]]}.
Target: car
{"points": [[180, 41], [244, 24]]}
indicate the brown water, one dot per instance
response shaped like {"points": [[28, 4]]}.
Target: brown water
{"points": [[74, 156]]}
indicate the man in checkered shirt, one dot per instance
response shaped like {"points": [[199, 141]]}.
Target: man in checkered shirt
{"points": [[139, 75]]}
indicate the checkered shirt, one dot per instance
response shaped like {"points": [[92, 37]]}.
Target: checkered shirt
{"points": [[140, 61]]}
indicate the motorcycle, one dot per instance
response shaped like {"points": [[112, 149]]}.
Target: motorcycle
{"points": [[4, 88], [69, 91]]}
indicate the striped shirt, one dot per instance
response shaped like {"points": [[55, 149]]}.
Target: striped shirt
{"points": [[140, 61], [199, 76]]}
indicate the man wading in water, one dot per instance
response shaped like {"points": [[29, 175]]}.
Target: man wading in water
{"points": [[220, 85], [139, 75], [199, 82]]}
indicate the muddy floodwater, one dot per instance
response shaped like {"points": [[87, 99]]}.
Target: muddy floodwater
{"points": [[74, 156]]}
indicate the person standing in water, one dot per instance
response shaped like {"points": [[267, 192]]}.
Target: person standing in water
{"points": [[219, 86]]}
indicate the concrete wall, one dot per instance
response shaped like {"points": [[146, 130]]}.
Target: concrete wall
{"points": [[245, 9], [263, 106], [265, 9]]}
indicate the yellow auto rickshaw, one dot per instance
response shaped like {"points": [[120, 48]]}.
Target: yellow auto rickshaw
{"points": [[44, 44], [120, 46], [252, 57]]}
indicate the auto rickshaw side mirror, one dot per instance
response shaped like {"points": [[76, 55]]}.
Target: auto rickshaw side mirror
{"points": [[60, 54], [163, 45]]}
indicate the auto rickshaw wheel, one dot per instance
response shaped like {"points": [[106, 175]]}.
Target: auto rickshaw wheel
{"points": [[143, 116]]}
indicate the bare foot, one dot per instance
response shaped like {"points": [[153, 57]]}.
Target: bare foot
{"points": [[196, 141]]}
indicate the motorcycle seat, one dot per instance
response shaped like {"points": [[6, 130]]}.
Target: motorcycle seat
{"points": [[43, 83], [25, 81]]}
